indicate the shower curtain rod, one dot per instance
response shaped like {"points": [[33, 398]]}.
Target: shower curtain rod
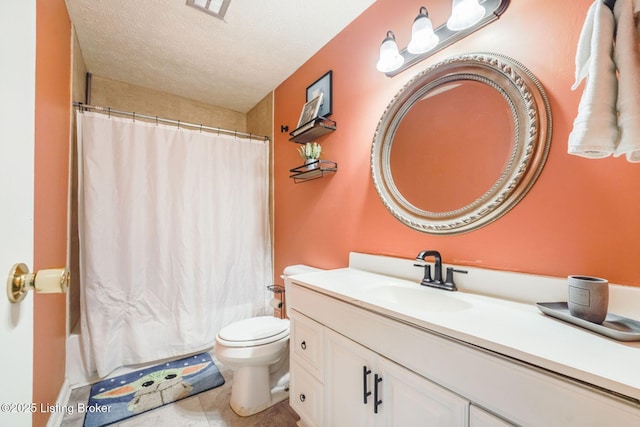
{"points": [[109, 111]]}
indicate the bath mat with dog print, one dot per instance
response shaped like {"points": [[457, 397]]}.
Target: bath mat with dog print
{"points": [[118, 398]]}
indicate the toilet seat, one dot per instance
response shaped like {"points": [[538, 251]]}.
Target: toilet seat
{"points": [[255, 331]]}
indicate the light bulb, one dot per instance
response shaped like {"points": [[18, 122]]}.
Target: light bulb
{"points": [[423, 38], [464, 14], [390, 58]]}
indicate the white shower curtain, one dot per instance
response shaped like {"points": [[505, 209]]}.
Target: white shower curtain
{"points": [[174, 238]]}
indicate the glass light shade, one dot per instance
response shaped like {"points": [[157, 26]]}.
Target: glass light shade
{"points": [[390, 58], [464, 14], [423, 39]]}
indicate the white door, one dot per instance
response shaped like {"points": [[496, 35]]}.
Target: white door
{"points": [[17, 110]]}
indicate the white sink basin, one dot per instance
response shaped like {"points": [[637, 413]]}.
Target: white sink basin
{"points": [[418, 298]]}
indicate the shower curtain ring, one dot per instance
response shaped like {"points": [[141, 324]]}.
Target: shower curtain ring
{"points": [[134, 116], [156, 120], [200, 127], [109, 112], [178, 124]]}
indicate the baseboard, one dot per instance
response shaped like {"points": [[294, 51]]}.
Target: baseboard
{"points": [[55, 419]]}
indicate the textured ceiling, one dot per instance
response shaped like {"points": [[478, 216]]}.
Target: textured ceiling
{"points": [[169, 46]]}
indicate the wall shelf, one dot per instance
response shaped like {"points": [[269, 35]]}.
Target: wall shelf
{"points": [[312, 130], [313, 170]]}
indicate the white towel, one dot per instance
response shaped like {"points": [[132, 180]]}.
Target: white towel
{"points": [[627, 56], [595, 130]]}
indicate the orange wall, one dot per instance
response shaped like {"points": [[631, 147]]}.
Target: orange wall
{"points": [[53, 101], [581, 217]]}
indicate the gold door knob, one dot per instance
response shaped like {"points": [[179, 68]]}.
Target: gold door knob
{"points": [[20, 281]]}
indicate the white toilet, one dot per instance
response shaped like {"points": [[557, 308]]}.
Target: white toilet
{"points": [[257, 349]]}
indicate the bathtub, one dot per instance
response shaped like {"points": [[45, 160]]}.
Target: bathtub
{"points": [[77, 372], [79, 375]]}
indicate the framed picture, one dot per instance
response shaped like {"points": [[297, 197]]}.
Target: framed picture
{"points": [[310, 111], [322, 86]]}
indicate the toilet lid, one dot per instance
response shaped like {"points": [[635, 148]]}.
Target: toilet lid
{"points": [[264, 329]]}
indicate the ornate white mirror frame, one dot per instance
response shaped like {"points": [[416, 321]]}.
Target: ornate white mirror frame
{"points": [[529, 147]]}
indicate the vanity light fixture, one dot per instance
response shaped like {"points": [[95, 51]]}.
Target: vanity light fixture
{"points": [[467, 16]]}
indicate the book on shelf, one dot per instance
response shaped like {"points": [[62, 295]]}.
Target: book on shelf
{"points": [[308, 115]]}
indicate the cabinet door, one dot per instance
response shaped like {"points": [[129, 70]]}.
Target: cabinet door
{"points": [[410, 400], [347, 382], [480, 418]]}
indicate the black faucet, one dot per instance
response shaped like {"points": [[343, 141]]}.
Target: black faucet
{"points": [[427, 268], [436, 282]]}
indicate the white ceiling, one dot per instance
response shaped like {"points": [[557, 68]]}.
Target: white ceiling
{"points": [[171, 47]]}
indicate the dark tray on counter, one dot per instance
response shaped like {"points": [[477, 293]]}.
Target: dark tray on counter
{"points": [[617, 327]]}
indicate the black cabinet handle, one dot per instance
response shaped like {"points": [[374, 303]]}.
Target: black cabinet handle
{"points": [[302, 397], [365, 374], [376, 402], [303, 344]]}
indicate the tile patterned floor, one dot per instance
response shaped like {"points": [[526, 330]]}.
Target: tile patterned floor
{"points": [[207, 409]]}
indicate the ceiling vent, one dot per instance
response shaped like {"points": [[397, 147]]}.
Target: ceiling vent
{"points": [[217, 8]]}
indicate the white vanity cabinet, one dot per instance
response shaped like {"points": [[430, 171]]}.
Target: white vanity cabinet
{"points": [[337, 382], [428, 378]]}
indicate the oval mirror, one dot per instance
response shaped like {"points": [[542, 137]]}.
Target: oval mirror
{"points": [[461, 143]]}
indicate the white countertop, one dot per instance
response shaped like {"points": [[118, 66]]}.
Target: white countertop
{"points": [[515, 329]]}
